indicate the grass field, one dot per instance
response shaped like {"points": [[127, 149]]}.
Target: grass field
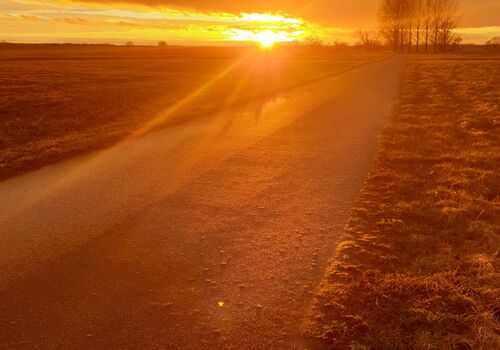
{"points": [[417, 267], [60, 101]]}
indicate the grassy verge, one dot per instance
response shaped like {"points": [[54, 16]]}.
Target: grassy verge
{"points": [[417, 267], [57, 102]]}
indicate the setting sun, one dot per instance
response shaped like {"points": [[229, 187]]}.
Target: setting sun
{"points": [[267, 38]]}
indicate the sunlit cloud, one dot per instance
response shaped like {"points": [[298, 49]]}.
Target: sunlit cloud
{"points": [[89, 22], [269, 18], [478, 34]]}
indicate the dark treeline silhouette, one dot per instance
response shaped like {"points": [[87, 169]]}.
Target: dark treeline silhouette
{"points": [[493, 43], [424, 25], [369, 39]]}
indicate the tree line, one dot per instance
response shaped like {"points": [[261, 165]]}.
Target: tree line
{"points": [[423, 25]]}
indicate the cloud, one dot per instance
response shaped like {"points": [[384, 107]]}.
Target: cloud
{"points": [[333, 12], [478, 34], [73, 20], [350, 13], [233, 6]]}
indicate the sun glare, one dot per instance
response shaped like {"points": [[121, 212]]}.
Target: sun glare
{"points": [[267, 38]]}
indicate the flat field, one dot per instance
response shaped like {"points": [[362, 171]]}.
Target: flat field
{"points": [[418, 264], [60, 101]]}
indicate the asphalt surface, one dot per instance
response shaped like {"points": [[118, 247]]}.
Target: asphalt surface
{"points": [[208, 235]]}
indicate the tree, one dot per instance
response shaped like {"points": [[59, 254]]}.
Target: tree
{"points": [[409, 18], [397, 22], [313, 41], [418, 24], [493, 43], [456, 42], [369, 38], [129, 43], [340, 44], [437, 15], [162, 43], [428, 18], [449, 21], [391, 19], [402, 21]]}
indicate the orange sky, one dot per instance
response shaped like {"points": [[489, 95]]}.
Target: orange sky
{"points": [[207, 22]]}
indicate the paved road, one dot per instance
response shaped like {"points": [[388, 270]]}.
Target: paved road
{"points": [[208, 235]]}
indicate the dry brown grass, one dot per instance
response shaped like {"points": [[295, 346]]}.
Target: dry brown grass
{"points": [[417, 267], [58, 101]]}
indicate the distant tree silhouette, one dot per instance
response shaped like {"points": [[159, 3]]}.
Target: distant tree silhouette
{"points": [[402, 23], [457, 41], [444, 22], [369, 38], [391, 20], [428, 15], [339, 44], [437, 14], [419, 21], [493, 43], [408, 19], [162, 43], [313, 40], [129, 43], [448, 22]]}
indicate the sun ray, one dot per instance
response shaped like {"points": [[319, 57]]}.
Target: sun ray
{"points": [[163, 117]]}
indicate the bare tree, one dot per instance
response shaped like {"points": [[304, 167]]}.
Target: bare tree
{"points": [[493, 44], [369, 38], [428, 17], [391, 19], [402, 21], [410, 6], [437, 16], [456, 42], [397, 22], [449, 21], [419, 19], [340, 43], [313, 41]]}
